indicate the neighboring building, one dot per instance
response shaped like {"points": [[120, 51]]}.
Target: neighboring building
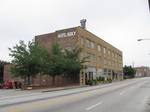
{"points": [[104, 59], [6, 72], [7, 76], [142, 71]]}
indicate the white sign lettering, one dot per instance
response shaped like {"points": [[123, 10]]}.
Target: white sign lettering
{"points": [[66, 34]]}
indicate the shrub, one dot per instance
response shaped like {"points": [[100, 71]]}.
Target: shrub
{"points": [[100, 79], [109, 80], [92, 82]]}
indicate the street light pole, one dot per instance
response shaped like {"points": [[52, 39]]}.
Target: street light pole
{"points": [[149, 4], [143, 39]]}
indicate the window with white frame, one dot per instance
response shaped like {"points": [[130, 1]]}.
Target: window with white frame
{"points": [[112, 54], [99, 48], [105, 62], [92, 45], [109, 52], [87, 43], [104, 50]]}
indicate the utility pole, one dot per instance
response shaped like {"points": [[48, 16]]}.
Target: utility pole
{"points": [[149, 4]]}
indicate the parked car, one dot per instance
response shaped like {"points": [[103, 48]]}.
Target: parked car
{"points": [[8, 85]]}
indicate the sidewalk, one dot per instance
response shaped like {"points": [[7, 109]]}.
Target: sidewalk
{"points": [[36, 95], [44, 94], [4, 93], [68, 87]]}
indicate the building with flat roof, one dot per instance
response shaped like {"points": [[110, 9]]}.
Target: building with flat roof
{"points": [[104, 59], [142, 71]]}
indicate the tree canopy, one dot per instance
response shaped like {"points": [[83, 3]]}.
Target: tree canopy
{"points": [[129, 71], [64, 62], [28, 60]]}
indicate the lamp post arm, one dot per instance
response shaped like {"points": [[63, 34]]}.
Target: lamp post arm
{"points": [[143, 39]]}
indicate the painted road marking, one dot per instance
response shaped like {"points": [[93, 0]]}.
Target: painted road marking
{"points": [[93, 106]]}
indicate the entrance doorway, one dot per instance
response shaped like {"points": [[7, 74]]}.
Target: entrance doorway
{"points": [[88, 76]]}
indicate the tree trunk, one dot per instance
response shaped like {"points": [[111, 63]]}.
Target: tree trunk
{"points": [[53, 80], [28, 79], [40, 78]]}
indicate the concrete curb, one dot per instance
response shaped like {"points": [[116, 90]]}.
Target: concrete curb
{"points": [[64, 88]]}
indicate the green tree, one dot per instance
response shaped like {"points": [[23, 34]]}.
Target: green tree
{"points": [[65, 62], [28, 60], [56, 62], [73, 64], [129, 72]]}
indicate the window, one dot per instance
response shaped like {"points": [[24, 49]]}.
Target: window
{"points": [[112, 64], [88, 43], [109, 52], [116, 65], [104, 50], [100, 60], [112, 54], [119, 65], [91, 56], [109, 63], [105, 71], [99, 48], [92, 45], [105, 62], [116, 55], [109, 72]]}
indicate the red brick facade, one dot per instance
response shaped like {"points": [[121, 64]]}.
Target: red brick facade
{"points": [[40, 80], [6, 73]]}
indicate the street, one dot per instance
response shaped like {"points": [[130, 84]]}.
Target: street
{"points": [[125, 96]]}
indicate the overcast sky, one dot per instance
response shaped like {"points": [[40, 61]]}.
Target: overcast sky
{"points": [[119, 22]]}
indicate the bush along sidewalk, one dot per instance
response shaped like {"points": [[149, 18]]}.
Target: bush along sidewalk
{"points": [[99, 80]]}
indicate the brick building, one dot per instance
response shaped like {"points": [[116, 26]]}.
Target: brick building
{"points": [[39, 80], [104, 59], [142, 71], [7, 75]]}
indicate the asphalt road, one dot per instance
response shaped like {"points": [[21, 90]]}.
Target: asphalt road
{"points": [[125, 96]]}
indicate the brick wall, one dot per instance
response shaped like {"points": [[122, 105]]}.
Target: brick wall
{"points": [[6, 75], [41, 80]]}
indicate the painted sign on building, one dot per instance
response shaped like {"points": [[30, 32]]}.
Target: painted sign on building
{"points": [[66, 34]]}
